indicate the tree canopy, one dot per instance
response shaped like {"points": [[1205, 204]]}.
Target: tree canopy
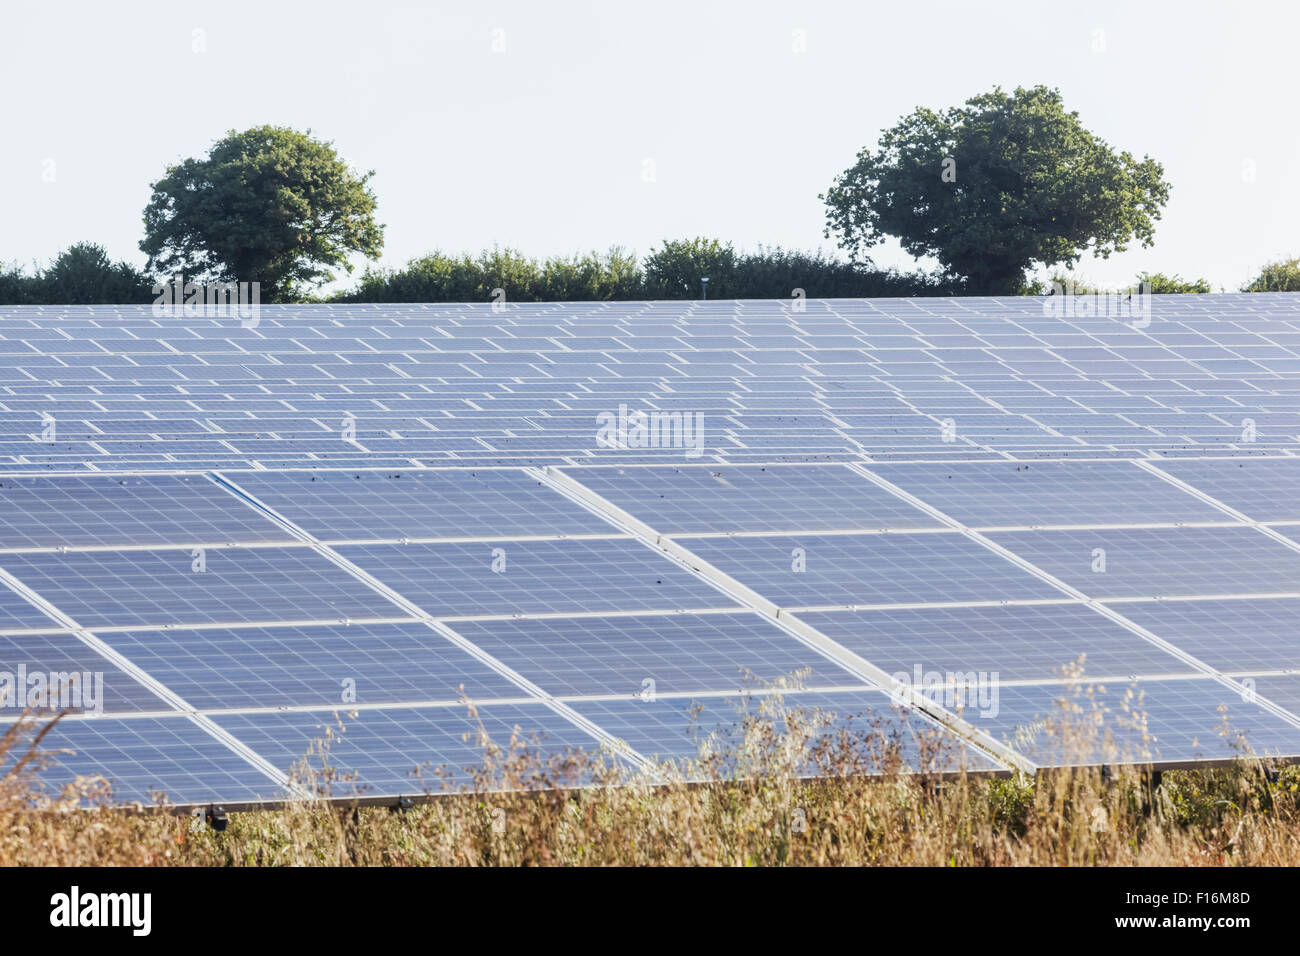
{"points": [[994, 186], [269, 205]]}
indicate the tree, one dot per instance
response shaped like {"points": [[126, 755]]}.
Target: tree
{"points": [[268, 205], [16, 287], [84, 275], [1162, 284], [675, 271], [1280, 276], [994, 186]]}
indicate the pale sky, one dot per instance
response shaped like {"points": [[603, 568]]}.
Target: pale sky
{"points": [[530, 124]]}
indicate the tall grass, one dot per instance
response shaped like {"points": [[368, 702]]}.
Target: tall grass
{"points": [[779, 786]]}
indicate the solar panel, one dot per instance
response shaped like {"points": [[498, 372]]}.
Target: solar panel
{"points": [[695, 499], [317, 665], [1013, 642], [453, 579], [1281, 689], [409, 751], [1164, 722], [132, 509], [652, 654], [843, 569], [160, 588], [58, 672], [474, 503], [858, 729], [1026, 494], [1263, 489], [150, 760], [1160, 562], [1237, 636], [331, 513]]}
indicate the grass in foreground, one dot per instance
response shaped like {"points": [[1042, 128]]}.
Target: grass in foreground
{"points": [[751, 804]]}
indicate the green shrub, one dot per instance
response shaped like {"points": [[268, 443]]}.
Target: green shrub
{"points": [[1280, 276]]}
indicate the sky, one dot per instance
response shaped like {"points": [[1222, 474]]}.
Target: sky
{"points": [[564, 127]]}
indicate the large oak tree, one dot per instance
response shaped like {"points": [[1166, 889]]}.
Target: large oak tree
{"points": [[995, 186], [269, 205]]}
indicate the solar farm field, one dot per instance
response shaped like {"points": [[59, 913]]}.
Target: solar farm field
{"points": [[934, 528]]}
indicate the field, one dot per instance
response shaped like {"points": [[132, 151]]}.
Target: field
{"points": [[747, 800]]}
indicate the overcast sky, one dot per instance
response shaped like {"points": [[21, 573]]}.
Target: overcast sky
{"points": [[560, 127]]}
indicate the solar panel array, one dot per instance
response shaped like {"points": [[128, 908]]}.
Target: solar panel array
{"points": [[611, 525]]}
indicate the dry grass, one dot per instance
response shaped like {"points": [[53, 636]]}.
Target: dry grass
{"points": [[752, 804]]}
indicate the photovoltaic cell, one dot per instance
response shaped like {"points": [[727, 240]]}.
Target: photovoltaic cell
{"points": [[317, 665], [412, 504], [1025, 494], [413, 751], [1015, 642], [1162, 562], [1280, 689], [128, 509], [156, 588], [17, 612], [151, 760], [57, 672], [861, 730], [1239, 635], [675, 653], [692, 499], [1263, 489], [825, 570], [516, 577], [1162, 722]]}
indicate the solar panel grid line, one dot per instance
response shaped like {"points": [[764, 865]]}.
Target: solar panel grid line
{"points": [[1175, 598], [280, 545], [1088, 601], [924, 605], [420, 614], [565, 699], [829, 648], [164, 693]]}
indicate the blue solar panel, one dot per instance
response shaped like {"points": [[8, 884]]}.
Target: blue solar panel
{"points": [[860, 731], [1015, 642], [58, 672], [1162, 562], [1025, 494], [411, 751], [131, 509], [17, 612], [692, 499], [1263, 489], [805, 570], [317, 665], [674, 653], [156, 588], [932, 394], [1164, 722], [151, 760], [454, 578], [413, 504], [1238, 636]]}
